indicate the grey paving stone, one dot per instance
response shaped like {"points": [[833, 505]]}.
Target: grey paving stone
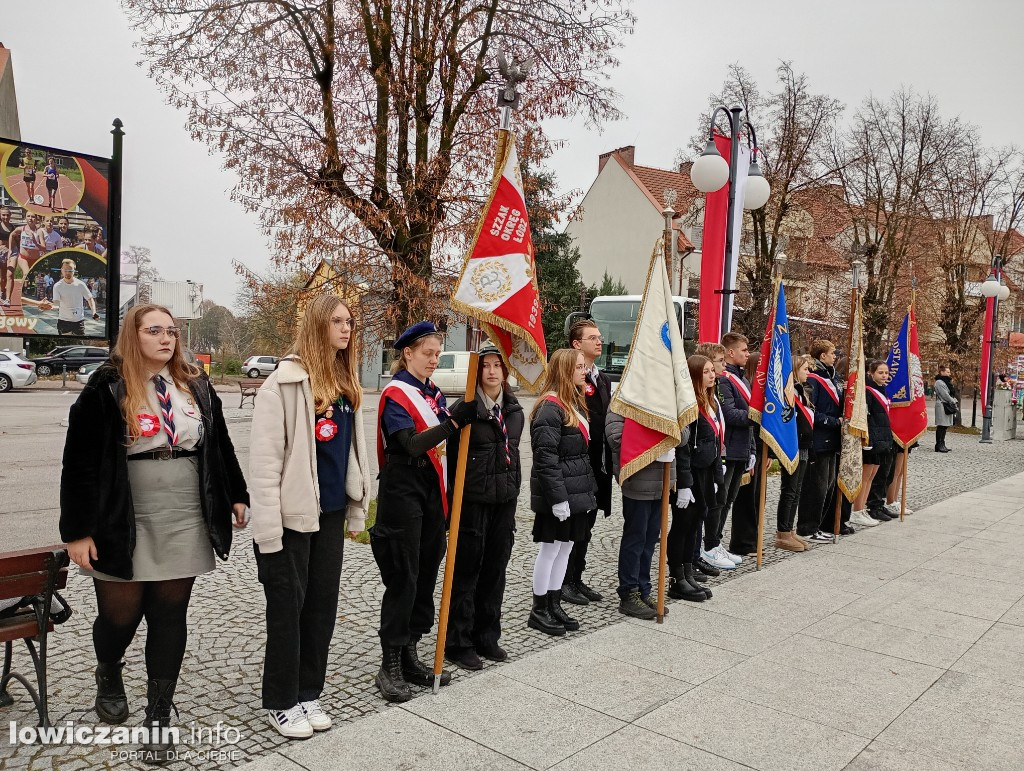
{"points": [[701, 623], [998, 655], [645, 750], [903, 610], [1015, 615], [933, 650], [879, 756], [624, 690], [548, 728], [275, 761], [752, 734]]}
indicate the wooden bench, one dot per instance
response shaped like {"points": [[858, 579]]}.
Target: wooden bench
{"points": [[249, 386], [38, 573]]}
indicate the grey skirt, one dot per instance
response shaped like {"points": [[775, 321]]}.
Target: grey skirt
{"points": [[171, 540]]}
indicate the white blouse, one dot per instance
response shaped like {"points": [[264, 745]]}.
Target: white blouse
{"points": [[188, 420]]}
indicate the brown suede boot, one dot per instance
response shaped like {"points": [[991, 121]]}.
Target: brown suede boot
{"points": [[803, 541], [786, 540]]}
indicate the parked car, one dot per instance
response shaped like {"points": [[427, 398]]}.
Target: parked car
{"points": [[15, 372], [71, 357], [85, 372], [452, 371], [260, 366]]}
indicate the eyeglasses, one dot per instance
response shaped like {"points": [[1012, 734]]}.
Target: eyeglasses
{"points": [[591, 338], [158, 331], [349, 322]]}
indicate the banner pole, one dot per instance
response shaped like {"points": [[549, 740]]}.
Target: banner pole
{"points": [[663, 542], [114, 234], [849, 350], [903, 494], [762, 481], [453, 526]]}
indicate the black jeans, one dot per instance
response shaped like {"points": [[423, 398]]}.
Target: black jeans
{"points": [[486, 536], [684, 535], [743, 536], [578, 556], [883, 478], [819, 486], [715, 528], [940, 436], [789, 497], [408, 543], [301, 585], [641, 528]]}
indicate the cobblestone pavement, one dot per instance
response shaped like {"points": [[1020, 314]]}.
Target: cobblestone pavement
{"points": [[221, 673]]}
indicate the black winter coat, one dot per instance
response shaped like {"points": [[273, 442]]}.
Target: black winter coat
{"points": [[804, 429], [739, 431], [561, 463], [828, 412], [701, 453], [600, 452], [95, 495], [490, 478], [879, 430]]}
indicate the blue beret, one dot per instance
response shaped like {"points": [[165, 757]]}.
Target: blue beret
{"points": [[414, 333]]}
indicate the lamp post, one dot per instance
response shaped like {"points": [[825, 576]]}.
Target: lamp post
{"points": [[669, 244], [710, 172], [993, 288]]}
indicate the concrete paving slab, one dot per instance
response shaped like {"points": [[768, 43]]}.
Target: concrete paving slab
{"points": [[1015, 615], [700, 622], [752, 734], [645, 750], [970, 561], [998, 655], [524, 723], [903, 610], [879, 756]]}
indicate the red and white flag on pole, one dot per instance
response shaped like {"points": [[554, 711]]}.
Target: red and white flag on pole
{"points": [[655, 395], [498, 284]]}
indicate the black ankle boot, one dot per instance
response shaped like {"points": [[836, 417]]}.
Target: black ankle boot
{"points": [[389, 680], [688, 575], [681, 589], [555, 606], [415, 671], [111, 701], [707, 568], [159, 703], [541, 618]]}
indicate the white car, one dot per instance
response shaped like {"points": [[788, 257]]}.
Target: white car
{"points": [[15, 372], [452, 371], [260, 366]]}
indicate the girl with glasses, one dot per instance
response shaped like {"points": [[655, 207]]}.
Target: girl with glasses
{"points": [[148, 490]]}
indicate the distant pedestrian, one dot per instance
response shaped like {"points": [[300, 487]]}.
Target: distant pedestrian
{"points": [[947, 405]]}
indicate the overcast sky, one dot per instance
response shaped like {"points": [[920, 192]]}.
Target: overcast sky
{"points": [[75, 71]]}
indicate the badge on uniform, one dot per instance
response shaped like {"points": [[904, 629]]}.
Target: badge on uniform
{"points": [[326, 430], [589, 389], [149, 425]]}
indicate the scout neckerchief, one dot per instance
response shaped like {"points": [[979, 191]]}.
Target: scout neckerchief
{"points": [[827, 384], [414, 402], [580, 422]]}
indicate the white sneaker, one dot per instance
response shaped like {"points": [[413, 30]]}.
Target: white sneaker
{"points": [[862, 519], [291, 723], [735, 559], [317, 718], [894, 508], [715, 558]]}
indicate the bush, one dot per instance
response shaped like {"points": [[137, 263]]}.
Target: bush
{"points": [[229, 366]]}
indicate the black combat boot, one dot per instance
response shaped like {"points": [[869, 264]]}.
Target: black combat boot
{"points": [[415, 671], [688, 575], [159, 703], [389, 680], [111, 701], [555, 606], [681, 589], [542, 619]]}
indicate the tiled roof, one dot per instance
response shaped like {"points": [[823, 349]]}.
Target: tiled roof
{"points": [[657, 181]]}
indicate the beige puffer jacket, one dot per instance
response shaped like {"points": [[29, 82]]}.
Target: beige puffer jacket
{"points": [[283, 485]]}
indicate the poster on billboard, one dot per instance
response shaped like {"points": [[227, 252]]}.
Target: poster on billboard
{"points": [[55, 222]]}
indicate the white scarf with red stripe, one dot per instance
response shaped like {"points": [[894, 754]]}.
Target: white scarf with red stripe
{"points": [[881, 399], [410, 399]]}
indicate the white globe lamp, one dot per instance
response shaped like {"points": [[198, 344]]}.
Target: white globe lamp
{"points": [[757, 189], [709, 172]]}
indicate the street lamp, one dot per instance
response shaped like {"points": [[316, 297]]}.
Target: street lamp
{"points": [[995, 290], [710, 172]]}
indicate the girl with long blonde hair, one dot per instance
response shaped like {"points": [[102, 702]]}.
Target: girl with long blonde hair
{"points": [[311, 483], [562, 485], [148, 489]]}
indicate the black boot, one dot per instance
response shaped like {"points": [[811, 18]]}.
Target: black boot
{"points": [[707, 568], [389, 680], [681, 589], [698, 575], [571, 593], [541, 618], [415, 671], [555, 606], [111, 701], [587, 592], [159, 702], [688, 575]]}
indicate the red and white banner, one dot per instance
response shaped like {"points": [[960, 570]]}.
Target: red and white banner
{"points": [[498, 284], [655, 395], [986, 332], [908, 414]]}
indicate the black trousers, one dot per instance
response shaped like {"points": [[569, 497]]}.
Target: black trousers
{"points": [[486, 536], [408, 543], [819, 486], [727, 492], [684, 535], [301, 586], [578, 556], [789, 496], [743, 536], [940, 436], [883, 478]]}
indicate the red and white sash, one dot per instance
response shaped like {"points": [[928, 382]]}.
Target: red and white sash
{"points": [[411, 399], [881, 399], [827, 384], [580, 422], [740, 385], [717, 424], [807, 411]]}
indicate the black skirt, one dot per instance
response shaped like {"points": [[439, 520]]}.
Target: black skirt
{"points": [[548, 529]]}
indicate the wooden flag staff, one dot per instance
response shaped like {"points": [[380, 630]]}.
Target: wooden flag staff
{"points": [[903, 496], [849, 348], [762, 480], [453, 525], [666, 482]]}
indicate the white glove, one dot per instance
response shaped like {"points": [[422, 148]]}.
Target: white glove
{"points": [[668, 457], [684, 498], [716, 487], [561, 511], [751, 463]]}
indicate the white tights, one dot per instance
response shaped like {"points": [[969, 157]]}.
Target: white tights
{"points": [[549, 569]]}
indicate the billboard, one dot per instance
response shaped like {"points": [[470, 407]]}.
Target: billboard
{"points": [[55, 222]]}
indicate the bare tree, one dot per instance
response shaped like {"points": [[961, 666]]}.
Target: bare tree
{"points": [[361, 130], [146, 273]]}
